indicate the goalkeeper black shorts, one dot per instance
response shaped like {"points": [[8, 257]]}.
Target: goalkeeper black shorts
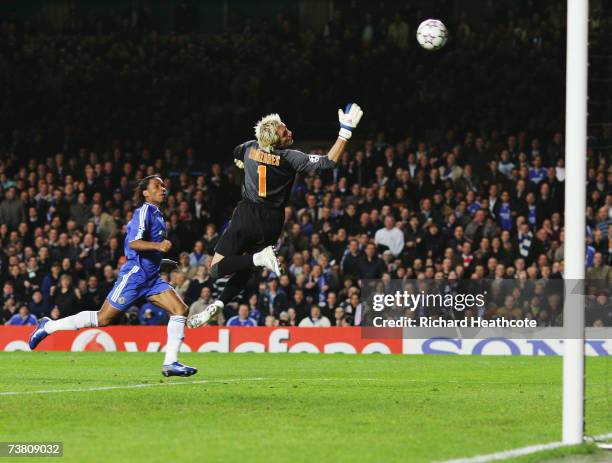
{"points": [[252, 228]]}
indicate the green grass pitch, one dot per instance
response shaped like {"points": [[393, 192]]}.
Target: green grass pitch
{"points": [[290, 407]]}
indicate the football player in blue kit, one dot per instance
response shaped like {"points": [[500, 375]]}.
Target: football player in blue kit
{"points": [[145, 244]]}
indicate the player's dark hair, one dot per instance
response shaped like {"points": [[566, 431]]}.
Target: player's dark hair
{"points": [[140, 187]]}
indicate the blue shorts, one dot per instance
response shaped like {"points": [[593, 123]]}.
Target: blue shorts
{"points": [[132, 284]]}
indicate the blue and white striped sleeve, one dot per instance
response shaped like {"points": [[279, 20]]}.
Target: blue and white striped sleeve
{"points": [[141, 227]]}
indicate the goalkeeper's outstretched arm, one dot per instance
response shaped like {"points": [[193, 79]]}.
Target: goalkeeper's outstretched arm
{"points": [[336, 150], [349, 119]]}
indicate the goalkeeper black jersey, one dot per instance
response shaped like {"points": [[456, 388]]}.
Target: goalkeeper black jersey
{"points": [[269, 176]]}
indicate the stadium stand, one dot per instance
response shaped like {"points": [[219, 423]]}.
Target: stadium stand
{"points": [[430, 192]]}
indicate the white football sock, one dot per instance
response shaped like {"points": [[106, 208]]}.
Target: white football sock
{"points": [[259, 258], [219, 304], [176, 334], [86, 319]]}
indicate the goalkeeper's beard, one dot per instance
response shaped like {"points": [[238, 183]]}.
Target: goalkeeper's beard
{"points": [[285, 143]]}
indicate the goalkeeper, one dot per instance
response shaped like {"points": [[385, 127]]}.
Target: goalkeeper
{"points": [[270, 168]]}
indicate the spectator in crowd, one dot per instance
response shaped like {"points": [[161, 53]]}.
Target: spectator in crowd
{"points": [[390, 237], [198, 255], [300, 304], [210, 238], [351, 259], [180, 283], [104, 223], [65, 297], [242, 319], [271, 321], [11, 209], [371, 266], [80, 211], [339, 317], [184, 266], [22, 317], [274, 299], [150, 314], [600, 272], [38, 307], [315, 319], [599, 310], [352, 306], [604, 221], [200, 280], [255, 311]]}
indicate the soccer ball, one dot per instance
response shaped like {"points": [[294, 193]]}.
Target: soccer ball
{"points": [[432, 34]]}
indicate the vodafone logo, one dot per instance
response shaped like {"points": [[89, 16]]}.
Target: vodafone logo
{"points": [[93, 341], [290, 340]]}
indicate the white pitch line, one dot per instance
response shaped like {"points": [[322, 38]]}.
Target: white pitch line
{"points": [[599, 437], [233, 380], [520, 451], [130, 386], [178, 383]]}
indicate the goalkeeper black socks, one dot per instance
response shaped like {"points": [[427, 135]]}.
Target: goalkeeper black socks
{"points": [[234, 286], [233, 264]]}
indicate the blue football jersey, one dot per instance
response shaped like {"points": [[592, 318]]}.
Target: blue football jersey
{"points": [[147, 224]]}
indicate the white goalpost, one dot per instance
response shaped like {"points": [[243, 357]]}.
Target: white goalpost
{"points": [[575, 223], [575, 240]]}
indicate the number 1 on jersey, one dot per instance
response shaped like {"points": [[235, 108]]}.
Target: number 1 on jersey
{"points": [[261, 171]]}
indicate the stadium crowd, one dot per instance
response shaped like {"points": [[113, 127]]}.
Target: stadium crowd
{"points": [[96, 70], [113, 102], [473, 207]]}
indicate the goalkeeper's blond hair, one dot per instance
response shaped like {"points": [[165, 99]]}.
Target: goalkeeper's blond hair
{"points": [[265, 131]]}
